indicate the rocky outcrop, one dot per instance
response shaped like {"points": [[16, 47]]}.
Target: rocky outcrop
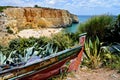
{"points": [[24, 18]]}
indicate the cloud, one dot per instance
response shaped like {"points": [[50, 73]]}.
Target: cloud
{"points": [[75, 3], [52, 2], [74, 6]]}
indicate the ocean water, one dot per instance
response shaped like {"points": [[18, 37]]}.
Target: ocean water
{"points": [[74, 27]]}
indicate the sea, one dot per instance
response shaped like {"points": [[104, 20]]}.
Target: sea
{"points": [[73, 28]]}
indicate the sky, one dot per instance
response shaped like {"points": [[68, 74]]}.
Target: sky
{"points": [[78, 7]]}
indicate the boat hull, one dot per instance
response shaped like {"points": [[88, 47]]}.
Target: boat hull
{"points": [[48, 71]]}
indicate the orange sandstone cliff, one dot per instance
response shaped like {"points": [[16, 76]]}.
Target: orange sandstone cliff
{"points": [[24, 18]]}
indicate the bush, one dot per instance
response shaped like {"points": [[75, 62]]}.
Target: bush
{"points": [[36, 6], [59, 40], [96, 26], [62, 41], [118, 18], [4, 7], [9, 30], [74, 37], [111, 61], [112, 34]]}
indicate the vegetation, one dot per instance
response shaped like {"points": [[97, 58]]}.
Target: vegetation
{"points": [[36, 6], [111, 59], [107, 31], [21, 49], [96, 26], [98, 56], [100, 29], [61, 40], [112, 33], [93, 53], [9, 30], [4, 7]]}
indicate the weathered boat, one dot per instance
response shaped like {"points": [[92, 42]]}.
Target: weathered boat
{"points": [[45, 67]]}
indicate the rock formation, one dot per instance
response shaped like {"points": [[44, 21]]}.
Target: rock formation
{"points": [[25, 18]]}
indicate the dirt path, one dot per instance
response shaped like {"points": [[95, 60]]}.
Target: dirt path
{"points": [[97, 74], [87, 74]]}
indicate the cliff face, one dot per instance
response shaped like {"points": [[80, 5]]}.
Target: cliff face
{"points": [[19, 18]]}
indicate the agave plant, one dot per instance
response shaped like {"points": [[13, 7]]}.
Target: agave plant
{"points": [[42, 51], [93, 53], [15, 57]]}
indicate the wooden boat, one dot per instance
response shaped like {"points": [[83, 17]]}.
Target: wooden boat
{"points": [[45, 68]]}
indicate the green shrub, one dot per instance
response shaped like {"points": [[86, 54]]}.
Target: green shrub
{"points": [[9, 30], [96, 26], [112, 34], [62, 41], [21, 43], [23, 48], [59, 40], [36, 6], [113, 62], [4, 7], [74, 37], [118, 17]]}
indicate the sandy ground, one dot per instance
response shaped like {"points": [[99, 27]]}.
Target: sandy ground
{"points": [[88, 74], [39, 32], [96, 74]]}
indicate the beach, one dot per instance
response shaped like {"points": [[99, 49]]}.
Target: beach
{"points": [[27, 33]]}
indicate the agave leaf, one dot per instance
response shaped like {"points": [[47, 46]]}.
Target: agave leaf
{"points": [[97, 40], [10, 59], [95, 50], [87, 49], [51, 49], [2, 58], [28, 52], [43, 54], [56, 50], [35, 53], [34, 44], [104, 49], [47, 49], [116, 48], [44, 47], [20, 57], [40, 48], [90, 44], [48, 46]]}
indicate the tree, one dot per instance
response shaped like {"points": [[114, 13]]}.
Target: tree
{"points": [[36, 6]]}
